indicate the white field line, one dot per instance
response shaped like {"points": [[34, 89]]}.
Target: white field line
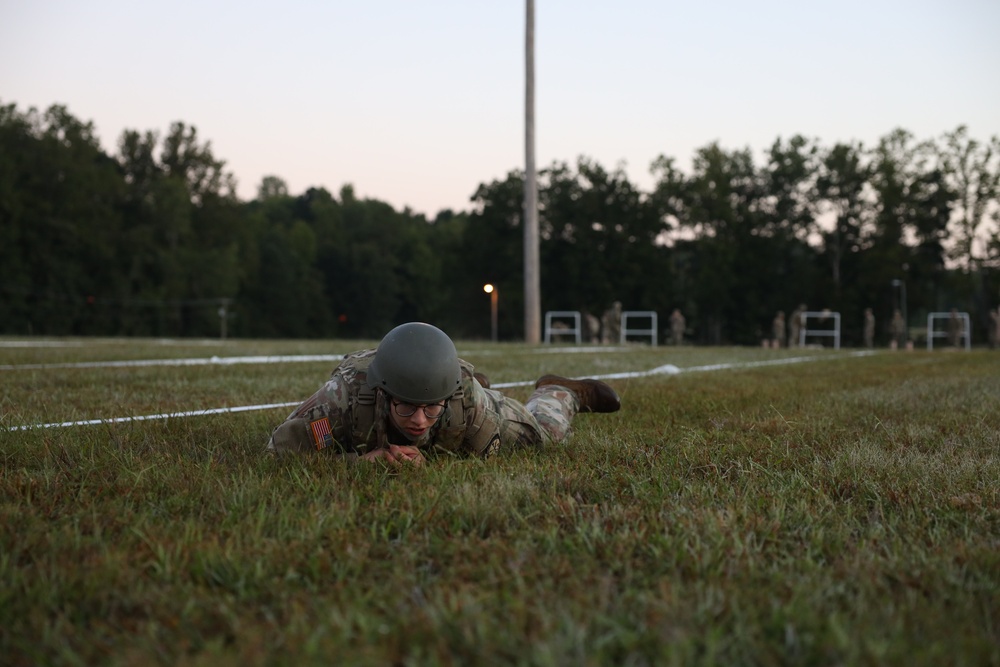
{"points": [[208, 361], [667, 369], [93, 342], [166, 415], [670, 369], [260, 359]]}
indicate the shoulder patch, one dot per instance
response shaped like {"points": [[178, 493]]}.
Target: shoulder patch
{"points": [[322, 436]]}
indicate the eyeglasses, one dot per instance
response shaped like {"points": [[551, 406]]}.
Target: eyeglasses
{"points": [[432, 411]]}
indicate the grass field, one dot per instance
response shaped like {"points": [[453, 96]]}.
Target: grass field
{"points": [[840, 510]]}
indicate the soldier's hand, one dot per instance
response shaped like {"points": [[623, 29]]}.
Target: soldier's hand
{"points": [[406, 453], [397, 454]]}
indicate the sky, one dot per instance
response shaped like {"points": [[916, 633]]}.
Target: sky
{"points": [[417, 103]]}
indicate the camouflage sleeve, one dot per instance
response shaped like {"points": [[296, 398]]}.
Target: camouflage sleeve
{"points": [[484, 421], [317, 424]]}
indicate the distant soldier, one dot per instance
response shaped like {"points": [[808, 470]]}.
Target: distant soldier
{"points": [[559, 329], [592, 327], [995, 328], [778, 329], [677, 326], [795, 325], [611, 324], [869, 331], [898, 331], [956, 328]]}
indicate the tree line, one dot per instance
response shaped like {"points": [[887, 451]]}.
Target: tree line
{"points": [[153, 241]]}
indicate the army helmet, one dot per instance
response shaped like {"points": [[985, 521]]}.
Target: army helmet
{"points": [[416, 363]]}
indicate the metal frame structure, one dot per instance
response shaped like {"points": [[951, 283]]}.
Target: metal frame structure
{"points": [[818, 314], [931, 334], [560, 315], [651, 332]]}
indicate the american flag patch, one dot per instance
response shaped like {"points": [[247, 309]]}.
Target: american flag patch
{"points": [[321, 433]]}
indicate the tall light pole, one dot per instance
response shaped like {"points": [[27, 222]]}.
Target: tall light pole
{"points": [[532, 273], [494, 295]]}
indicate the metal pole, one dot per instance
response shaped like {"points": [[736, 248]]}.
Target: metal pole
{"points": [[494, 296], [532, 271]]}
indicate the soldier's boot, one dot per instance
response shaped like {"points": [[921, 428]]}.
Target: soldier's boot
{"points": [[483, 380], [594, 395]]}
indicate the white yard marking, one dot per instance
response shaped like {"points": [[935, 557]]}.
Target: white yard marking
{"points": [[260, 359], [666, 369], [166, 415], [208, 361], [92, 342], [670, 369]]}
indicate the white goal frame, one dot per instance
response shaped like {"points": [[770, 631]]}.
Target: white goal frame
{"points": [[563, 315], [931, 334], [651, 331], [820, 314]]}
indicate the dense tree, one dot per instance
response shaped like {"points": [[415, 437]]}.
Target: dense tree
{"points": [[898, 166], [845, 198], [271, 187], [59, 212], [930, 215], [598, 237], [491, 252], [723, 208], [153, 241], [182, 233], [791, 208], [972, 171], [790, 196]]}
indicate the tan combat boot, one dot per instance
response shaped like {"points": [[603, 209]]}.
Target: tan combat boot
{"points": [[594, 395], [483, 380]]}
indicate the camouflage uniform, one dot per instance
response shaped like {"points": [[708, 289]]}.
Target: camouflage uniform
{"points": [[956, 328], [995, 328], [778, 329], [592, 327], [350, 419], [677, 326], [869, 329], [795, 326], [611, 324], [898, 328]]}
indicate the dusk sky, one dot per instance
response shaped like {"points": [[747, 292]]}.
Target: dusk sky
{"points": [[417, 103]]}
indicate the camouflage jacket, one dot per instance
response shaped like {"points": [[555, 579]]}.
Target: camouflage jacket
{"points": [[351, 418]]}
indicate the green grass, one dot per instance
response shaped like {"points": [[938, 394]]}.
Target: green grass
{"points": [[840, 511]]}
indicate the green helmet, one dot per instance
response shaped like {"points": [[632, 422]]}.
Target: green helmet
{"points": [[416, 363]]}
